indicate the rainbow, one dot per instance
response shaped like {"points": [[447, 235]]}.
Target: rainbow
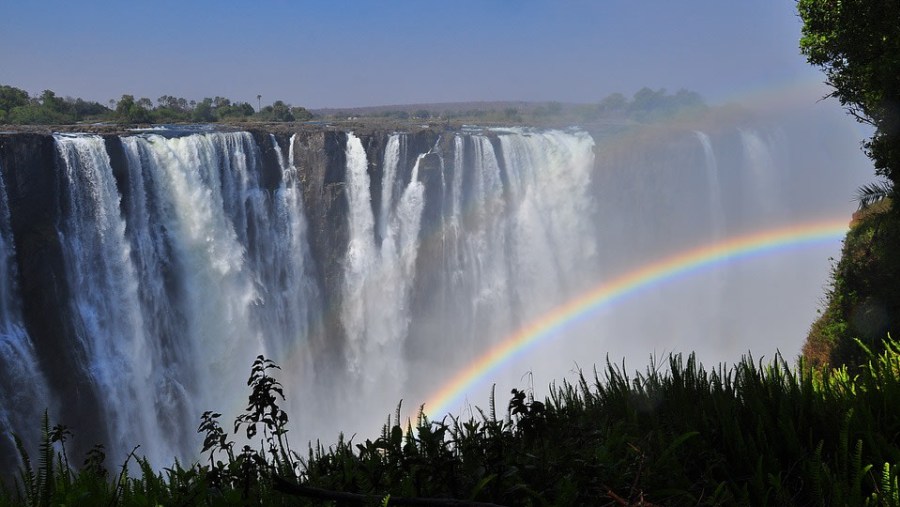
{"points": [[663, 271]]}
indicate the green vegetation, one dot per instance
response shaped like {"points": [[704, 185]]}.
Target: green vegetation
{"points": [[678, 434], [863, 301], [857, 45], [17, 108], [646, 105]]}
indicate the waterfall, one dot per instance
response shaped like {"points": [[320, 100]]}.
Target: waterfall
{"points": [[379, 276], [23, 389], [552, 240], [121, 359], [371, 267], [716, 209], [762, 175], [392, 154], [195, 271], [291, 301]]}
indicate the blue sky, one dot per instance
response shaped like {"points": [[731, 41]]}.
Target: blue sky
{"points": [[354, 53]]}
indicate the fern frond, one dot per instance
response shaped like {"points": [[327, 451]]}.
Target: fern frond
{"points": [[26, 472], [872, 193], [46, 480]]}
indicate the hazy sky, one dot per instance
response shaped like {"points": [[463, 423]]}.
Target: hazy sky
{"points": [[352, 53]]}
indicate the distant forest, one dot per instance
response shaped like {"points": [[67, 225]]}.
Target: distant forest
{"points": [[644, 106], [17, 107]]}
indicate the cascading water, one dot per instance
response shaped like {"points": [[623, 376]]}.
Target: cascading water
{"points": [[379, 272], [112, 339], [716, 209], [236, 256], [188, 255], [23, 388], [291, 299], [761, 174], [514, 242]]}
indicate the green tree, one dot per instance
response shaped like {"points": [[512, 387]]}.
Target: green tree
{"points": [[614, 104], [301, 114], [50, 101], [203, 112], [857, 45], [84, 109], [36, 114], [11, 97], [130, 111], [278, 111]]}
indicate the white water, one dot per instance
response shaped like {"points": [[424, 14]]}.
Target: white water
{"points": [[378, 277], [212, 271], [716, 208], [23, 388], [120, 357], [761, 174], [191, 268]]}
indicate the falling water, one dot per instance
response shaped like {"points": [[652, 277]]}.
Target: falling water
{"points": [[122, 361], [378, 276], [291, 296], [192, 254], [23, 388], [716, 209], [761, 175]]}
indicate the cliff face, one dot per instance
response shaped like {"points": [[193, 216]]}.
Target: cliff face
{"points": [[148, 269], [33, 174]]}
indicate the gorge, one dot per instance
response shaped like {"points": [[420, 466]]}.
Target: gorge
{"points": [[143, 271]]}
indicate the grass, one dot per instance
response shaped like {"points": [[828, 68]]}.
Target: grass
{"points": [[676, 434]]}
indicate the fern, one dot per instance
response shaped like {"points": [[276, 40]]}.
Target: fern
{"points": [[872, 193], [26, 474], [45, 475]]}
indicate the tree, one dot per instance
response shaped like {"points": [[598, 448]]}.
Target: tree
{"points": [[278, 111], [84, 108], [50, 101], [301, 114], [11, 97], [857, 45], [145, 103], [129, 111], [614, 104], [203, 113]]}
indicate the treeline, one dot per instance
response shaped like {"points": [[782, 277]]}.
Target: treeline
{"points": [[18, 108], [644, 106]]}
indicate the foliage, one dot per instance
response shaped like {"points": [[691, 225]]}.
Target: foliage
{"points": [[278, 111], [857, 45], [646, 106], [130, 111], [677, 434], [16, 107], [873, 193], [862, 302], [11, 97]]}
